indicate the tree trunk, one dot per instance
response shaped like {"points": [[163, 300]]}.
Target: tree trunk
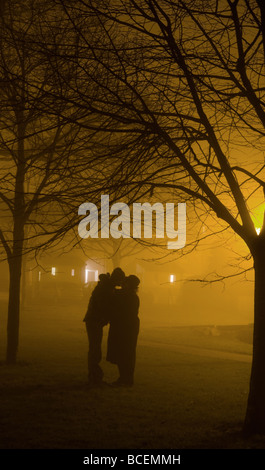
{"points": [[116, 256], [255, 415], [116, 260], [13, 309], [15, 257]]}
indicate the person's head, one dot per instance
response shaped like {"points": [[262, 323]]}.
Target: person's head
{"points": [[117, 277], [131, 282], [104, 278]]}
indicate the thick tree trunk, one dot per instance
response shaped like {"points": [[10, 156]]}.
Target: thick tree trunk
{"points": [[13, 309], [255, 415]]}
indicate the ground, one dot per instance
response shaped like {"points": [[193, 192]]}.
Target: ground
{"points": [[191, 387]]}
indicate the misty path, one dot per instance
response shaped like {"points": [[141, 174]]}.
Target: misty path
{"points": [[198, 351]]}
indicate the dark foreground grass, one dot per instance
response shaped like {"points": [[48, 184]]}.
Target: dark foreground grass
{"points": [[180, 400]]}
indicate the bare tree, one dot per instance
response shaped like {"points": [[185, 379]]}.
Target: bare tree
{"points": [[180, 87], [114, 249], [40, 151]]}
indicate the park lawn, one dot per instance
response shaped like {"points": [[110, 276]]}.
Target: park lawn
{"points": [[179, 400], [228, 338]]}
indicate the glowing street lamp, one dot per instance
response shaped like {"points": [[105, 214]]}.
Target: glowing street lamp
{"points": [[258, 217], [172, 278]]}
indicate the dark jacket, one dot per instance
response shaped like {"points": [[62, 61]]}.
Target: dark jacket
{"points": [[98, 310]]}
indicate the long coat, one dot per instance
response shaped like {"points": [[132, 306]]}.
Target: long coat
{"points": [[124, 327]]}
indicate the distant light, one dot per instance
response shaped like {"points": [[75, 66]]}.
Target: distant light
{"points": [[258, 230], [172, 278], [39, 276], [72, 272], [87, 271], [53, 271]]}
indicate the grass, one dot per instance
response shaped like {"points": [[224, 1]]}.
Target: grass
{"points": [[232, 338], [180, 400]]}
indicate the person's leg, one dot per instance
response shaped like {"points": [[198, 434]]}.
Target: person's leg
{"points": [[125, 373], [129, 359], [95, 373]]}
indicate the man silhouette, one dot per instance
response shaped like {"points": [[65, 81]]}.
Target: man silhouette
{"points": [[97, 316]]}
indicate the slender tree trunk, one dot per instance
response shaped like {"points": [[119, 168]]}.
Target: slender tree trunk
{"points": [[116, 257], [255, 415], [15, 260], [13, 309], [116, 260]]}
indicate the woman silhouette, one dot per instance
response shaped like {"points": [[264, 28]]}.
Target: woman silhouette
{"points": [[124, 330]]}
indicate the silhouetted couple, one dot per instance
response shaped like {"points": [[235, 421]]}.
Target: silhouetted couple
{"points": [[115, 301]]}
